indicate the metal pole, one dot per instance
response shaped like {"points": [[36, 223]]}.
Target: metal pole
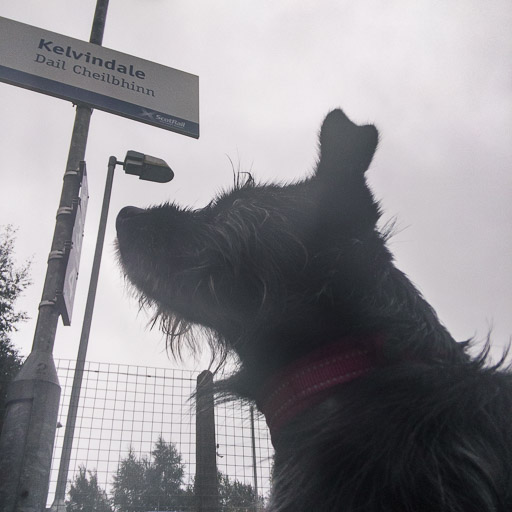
{"points": [[26, 443], [254, 471], [59, 504]]}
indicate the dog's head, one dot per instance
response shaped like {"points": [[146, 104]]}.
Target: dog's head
{"points": [[267, 263]]}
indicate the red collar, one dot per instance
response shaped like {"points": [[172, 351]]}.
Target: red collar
{"points": [[308, 380]]}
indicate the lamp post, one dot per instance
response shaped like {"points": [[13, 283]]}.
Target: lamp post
{"points": [[148, 168]]}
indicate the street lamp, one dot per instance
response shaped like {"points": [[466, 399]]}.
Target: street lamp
{"points": [[147, 168]]}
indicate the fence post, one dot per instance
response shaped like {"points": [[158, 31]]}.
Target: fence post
{"points": [[206, 481], [254, 466]]}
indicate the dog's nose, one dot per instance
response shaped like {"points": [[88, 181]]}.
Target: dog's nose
{"points": [[126, 213]]}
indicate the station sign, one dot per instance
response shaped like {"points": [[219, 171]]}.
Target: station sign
{"points": [[89, 74]]}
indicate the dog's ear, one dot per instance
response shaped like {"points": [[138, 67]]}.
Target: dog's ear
{"points": [[345, 148], [346, 151]]}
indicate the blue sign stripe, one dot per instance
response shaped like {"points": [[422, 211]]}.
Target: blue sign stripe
{"points": [[99, 101]]}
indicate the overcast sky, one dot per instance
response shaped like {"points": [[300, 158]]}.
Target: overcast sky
{"points": [[435, 77]]}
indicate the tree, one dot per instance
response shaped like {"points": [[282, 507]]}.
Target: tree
{"points": [[151, 483], [13, 280], [236, 496], [164, 477], [85, 495], [129, 484]]}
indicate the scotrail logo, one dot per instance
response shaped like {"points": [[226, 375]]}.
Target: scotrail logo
{"points": [[148, 113], [159, 118]]}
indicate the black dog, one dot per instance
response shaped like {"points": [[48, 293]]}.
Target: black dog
{"points": [[371, 403]]}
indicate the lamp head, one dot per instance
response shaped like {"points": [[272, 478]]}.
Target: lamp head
{"points": [[147, 167]]}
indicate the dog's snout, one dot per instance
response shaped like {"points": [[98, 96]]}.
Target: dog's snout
{"points": [[127, 212], [130, 211]]}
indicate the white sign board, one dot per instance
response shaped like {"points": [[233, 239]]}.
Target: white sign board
{"points": [[67, 297], [93, 75]]}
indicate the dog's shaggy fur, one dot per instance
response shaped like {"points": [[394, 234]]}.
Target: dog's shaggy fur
{"points": [[276, 272]]}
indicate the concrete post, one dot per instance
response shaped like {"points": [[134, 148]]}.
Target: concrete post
{"points": [[206, 481], [254, 465]]}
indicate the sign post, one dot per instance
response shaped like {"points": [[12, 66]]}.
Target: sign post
{"points": [[28, 434]]}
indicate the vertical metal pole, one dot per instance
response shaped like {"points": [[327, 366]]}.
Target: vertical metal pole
{"points": [[28, 434], [254, 467], [59, 504], [206, 482]]}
